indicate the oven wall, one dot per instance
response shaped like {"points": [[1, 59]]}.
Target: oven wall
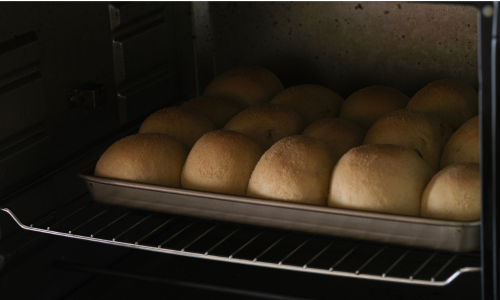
{"points": [[346, 46], [141, 52]]}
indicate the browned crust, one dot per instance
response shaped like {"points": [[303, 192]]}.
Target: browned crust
{"points": [[311, 101], [463, 145], [267, 123], [179, 122], [221, 161], [246, 86], [369, 104], [453, 101]]}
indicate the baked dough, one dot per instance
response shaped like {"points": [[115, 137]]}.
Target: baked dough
{"points": [[311, 101], [221, 161], [380, 178], [463, 145], [369, 104], [414, 129], [147, 157], [267, 123], [296, 169], [452, 101], [246, 86], [179, 122], [340, 134], [454, 194]]}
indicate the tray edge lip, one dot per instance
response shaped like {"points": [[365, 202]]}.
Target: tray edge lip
{"points": [[84, 174]]}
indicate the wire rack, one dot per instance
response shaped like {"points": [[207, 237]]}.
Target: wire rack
{"points": [[87, 220]]}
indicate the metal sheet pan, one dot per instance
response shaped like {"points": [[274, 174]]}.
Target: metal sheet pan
{"points": [[386, 228]]}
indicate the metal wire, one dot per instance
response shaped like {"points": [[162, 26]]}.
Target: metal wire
{"points": [[344, 257], [369, 260], [104, 219], [223, 240], [109, 224], [246, 244], [396, 262], [423, 265], [317, 255], [133, 226], [295, 250], [270, 247]]}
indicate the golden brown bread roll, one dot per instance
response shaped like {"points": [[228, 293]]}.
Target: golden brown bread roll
{"points": [[246, 86], [452, 101], [147, 157], [311, 101], [414, 129], [221, 161], [180, 123], [267, 123], [340, 134], [217, 109], [463, 145], [367, 105], [296, 169], [380, 178], [454, 193]]}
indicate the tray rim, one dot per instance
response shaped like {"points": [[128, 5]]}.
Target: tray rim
{"points": [[86, 173]]}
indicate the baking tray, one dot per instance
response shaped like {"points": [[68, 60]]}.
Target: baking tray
{"points": [[386, 228]]}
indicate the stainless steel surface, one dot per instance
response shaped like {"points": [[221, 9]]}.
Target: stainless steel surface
{"points": [[239, 244], [404, 230]]}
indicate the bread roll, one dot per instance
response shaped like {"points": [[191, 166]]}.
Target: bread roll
{"points": [[246, 86], [367, 105], [454, 194], [180, 123], [312, 102], [267, 123], [221, 161], [452, 101], [296, 169], [463, 145], [147, 157], [217, 109], [414, 129], [340, 134], [380, 178]]}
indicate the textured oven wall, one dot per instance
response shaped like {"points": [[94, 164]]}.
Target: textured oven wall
{"points": [[349, 45]]}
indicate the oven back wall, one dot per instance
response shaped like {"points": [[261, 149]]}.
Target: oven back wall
{"points": [[346, 46]]}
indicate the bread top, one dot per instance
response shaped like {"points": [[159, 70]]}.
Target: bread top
{"points": [[414, 129], [179, 122], [311, 101], [218, 110], [221, 161], [454, 193], [246, 86], [147, 157], [380, 178], [340, 134], [267, 123], [369, 104], [296, 168], [452, 101], [463, 145]]}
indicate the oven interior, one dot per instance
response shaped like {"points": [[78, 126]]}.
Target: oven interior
{"points": [[79, 76]]}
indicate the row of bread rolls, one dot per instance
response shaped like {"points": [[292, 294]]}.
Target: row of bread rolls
{"points": [[286, 149]]}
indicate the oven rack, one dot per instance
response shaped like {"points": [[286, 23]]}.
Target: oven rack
{"points": [[87, 220]]}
